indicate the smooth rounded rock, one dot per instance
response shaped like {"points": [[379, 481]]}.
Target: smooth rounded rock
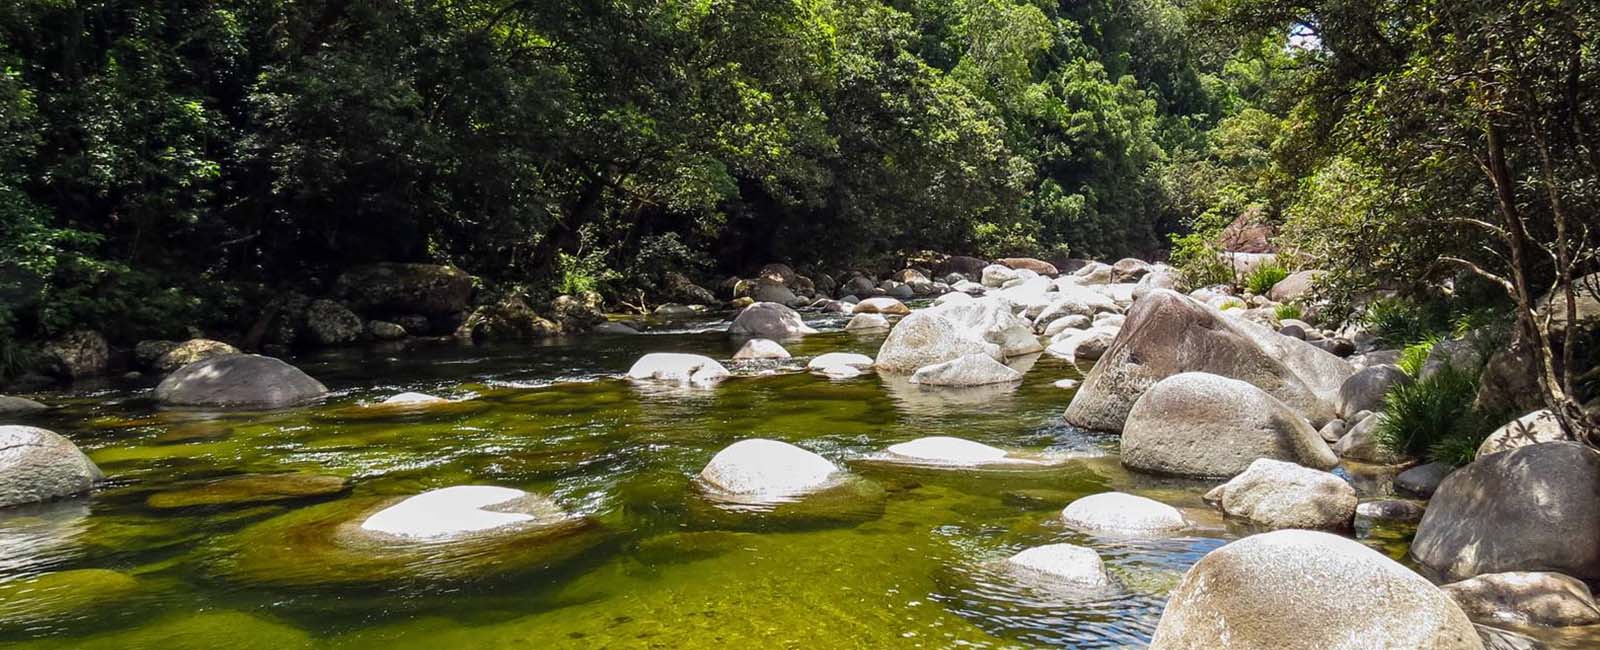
{"points": [[1121, 512], [862, 322], [40, 465], [413, 398], [881, 305], [1391, 510], [945, 450], [19, 405], [1202, 425], [925, 338], [1526, 598], [1365, 390], [462, 510], [1519, 510], [1307, 590], [1275, 494], [1361, 443], [761, 349], [769, 320], [836, 359], [763, 469], [1066, 564], [1422, 480], [970, 370], [678, 368], [1530, 429], [240, 381]]}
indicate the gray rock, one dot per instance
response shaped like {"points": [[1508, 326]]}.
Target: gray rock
{"points": [[1276, 494], [1124, 513], [961, 264], [769, 320], [1333, 431], [1167, 333], [1293, 287], [1038, 266], [1518, 510], [1510, 381], [1422, 480], [996, 275], [385, 331], [145, 353], [861, 322], [1537, 427], [19, 405], [39, 465], [1202, 425], [881, 305], [774, 294], [1073, 322], [614, 329], [330, 323], [969, 370], [761, 469], [1060, 564], [1362, 444], [238, 381], [678, 368], [1391, 510], [1307, 590], [761, 349], [1365, 390], [925, 338], [1129, 269], [1526, 599]]}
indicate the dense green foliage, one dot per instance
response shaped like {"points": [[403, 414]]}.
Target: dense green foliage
{"points": [[1434, 418], [163, 164]]}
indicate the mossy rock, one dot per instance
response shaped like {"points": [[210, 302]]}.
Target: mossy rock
{"points": [[399, 411], [63, 594], [323, 545], [214, 629], [1039, 499], [676, 547], [852, 501], [250, 489]]}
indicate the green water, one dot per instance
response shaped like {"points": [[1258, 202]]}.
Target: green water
{"points": [[660, 567]]}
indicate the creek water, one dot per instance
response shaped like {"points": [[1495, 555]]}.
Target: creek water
{"points": [[159, 558]]}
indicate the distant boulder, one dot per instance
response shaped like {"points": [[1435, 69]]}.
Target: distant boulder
{"points": [[77, 355], [769, 320], [678, 368], [189, 352], [238, 381], [1036, 265]]}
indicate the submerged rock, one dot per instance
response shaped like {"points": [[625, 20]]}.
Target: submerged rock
{"points": [[838, 359], [970, 370], [413, 398], [249, 489], [1167, 333], [952, 452], [1060, 565], [1124, 513], [769, 320], [1532, 598], [761, 349], [63, 594], [1202, 425], [679, 368], [760, 469], [239, 380], [19, 405], [1518, 510], [465, 533], [1306, 590], [1276, 494], [39, 465]]}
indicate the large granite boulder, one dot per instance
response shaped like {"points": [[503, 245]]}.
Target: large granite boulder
{"points": [[970, 267], [1168, 333], [992, 319], [1202, 425], [1535, 508], [1365, 390], [769, 320], [238, 381], [678, 368], [1307, 590], [970, 370], [761, 469], [431, 289], [925, 338], [39, 465], [1526, 599], [1275, 494]]}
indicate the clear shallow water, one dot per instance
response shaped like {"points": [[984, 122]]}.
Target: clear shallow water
{"points": [[910, 568]]}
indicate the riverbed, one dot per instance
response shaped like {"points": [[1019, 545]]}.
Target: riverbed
{"points": [[665, 568]]}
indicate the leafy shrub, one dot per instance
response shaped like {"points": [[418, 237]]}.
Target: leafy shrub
{"points": [[1261, 280], [1434, 418], [1198, 260], [1415, 355], [1288, 311], [1401, 322]]}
